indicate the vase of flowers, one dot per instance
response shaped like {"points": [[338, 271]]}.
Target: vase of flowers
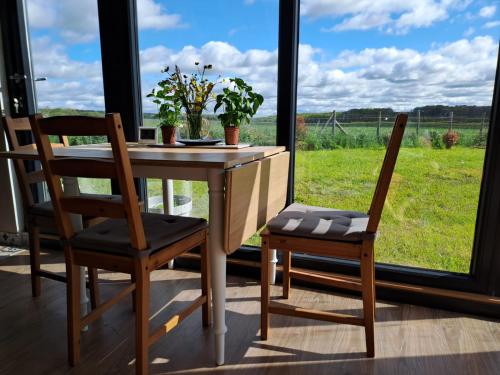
{"points": [[240, 104], [191, 92], [195, 124]]}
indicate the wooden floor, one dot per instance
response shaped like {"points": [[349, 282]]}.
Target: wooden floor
{"points": [[409, 339]]}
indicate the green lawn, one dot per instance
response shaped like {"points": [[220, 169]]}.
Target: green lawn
{"points": [[430, 212]]}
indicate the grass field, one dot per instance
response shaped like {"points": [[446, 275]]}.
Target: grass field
{"points": [[429, 216]]}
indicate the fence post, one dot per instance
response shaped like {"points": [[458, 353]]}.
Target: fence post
{"points": [[418, 121], [451, 122], [482, 125], [378, 125], [334, 122]]}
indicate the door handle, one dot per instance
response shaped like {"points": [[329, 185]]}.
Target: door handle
{"points": [[18, 77]]}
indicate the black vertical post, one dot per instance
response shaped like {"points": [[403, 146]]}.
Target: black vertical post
{"points": [[120, 67], [16, 46], [16, 50], [288, 55], [486, 251]]}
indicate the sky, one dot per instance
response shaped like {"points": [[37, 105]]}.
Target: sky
{"points": [[352, 54]]}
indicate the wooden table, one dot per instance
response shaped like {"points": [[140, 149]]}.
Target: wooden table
{"points": [[193, 164]]}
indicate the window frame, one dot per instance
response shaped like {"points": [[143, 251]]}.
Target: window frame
{"points": [[486, 249]]}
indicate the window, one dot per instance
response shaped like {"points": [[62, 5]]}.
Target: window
{"points": [[239, 38], [66, 61], [351, 85]]}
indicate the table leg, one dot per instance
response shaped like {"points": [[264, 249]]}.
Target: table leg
{"points": [[217, 258], [71, 188], [168, 205]]}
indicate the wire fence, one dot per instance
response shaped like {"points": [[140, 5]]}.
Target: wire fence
{"points": [[362, 130]]}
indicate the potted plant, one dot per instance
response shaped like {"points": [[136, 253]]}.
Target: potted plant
{"points": [[191, 92], [240, 105], [169, 109]]}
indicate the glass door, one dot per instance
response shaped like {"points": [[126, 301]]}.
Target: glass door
{"points": [[357, 69], [238, 39], [66, 60]]}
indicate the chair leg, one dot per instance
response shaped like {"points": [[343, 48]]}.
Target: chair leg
{"points": [[206, 311], [95, 299], [141, 270], [132, 280], [368, 288], [34, 243], [287, 256], [264, 283], [73, 304]]}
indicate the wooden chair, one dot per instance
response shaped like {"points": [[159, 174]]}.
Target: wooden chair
{"points": [[39, 217], [333, 233], [128, 242]]}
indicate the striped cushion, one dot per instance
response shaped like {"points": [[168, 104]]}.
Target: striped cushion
{"points": [[323, 223]]}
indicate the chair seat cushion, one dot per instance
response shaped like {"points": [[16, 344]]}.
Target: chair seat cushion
{"points": [[161, 231], [322, 223]]}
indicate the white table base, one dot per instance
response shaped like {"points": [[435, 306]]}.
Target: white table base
{"points": [[168, 205], [217, 258]]}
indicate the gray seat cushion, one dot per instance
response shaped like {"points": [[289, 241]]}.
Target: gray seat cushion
{"points": [[322, 223], [161, 231], [46, 208]]}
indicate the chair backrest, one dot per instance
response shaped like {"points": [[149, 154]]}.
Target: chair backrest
{"points": [[119, 168], [384, 179], [13, 127]]}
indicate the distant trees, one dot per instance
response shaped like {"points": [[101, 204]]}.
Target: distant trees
{"points": [[458, 111]]}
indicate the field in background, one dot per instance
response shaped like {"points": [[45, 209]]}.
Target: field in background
{"points": [[430, 214]]}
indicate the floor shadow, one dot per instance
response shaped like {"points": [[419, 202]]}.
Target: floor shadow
{"points": [[33, 335]]}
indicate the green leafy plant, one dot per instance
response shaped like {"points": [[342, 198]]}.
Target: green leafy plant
{"points": [[169, 105], [240, 103], [436, 139]]}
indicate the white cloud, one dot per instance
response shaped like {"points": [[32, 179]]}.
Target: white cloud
{"points": [[488, 11], [461, 72], [258, 67], [491, 24], [393, 16], [41, 15], [152, 15], [469, 32], [70, 84], [77, 20]]}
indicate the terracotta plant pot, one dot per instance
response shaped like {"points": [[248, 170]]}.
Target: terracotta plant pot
{"points": [[232, 135], [168, 135]]}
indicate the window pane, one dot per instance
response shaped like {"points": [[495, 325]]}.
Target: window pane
{"points": [[238, 38], [66, 59], [357, 69]]}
